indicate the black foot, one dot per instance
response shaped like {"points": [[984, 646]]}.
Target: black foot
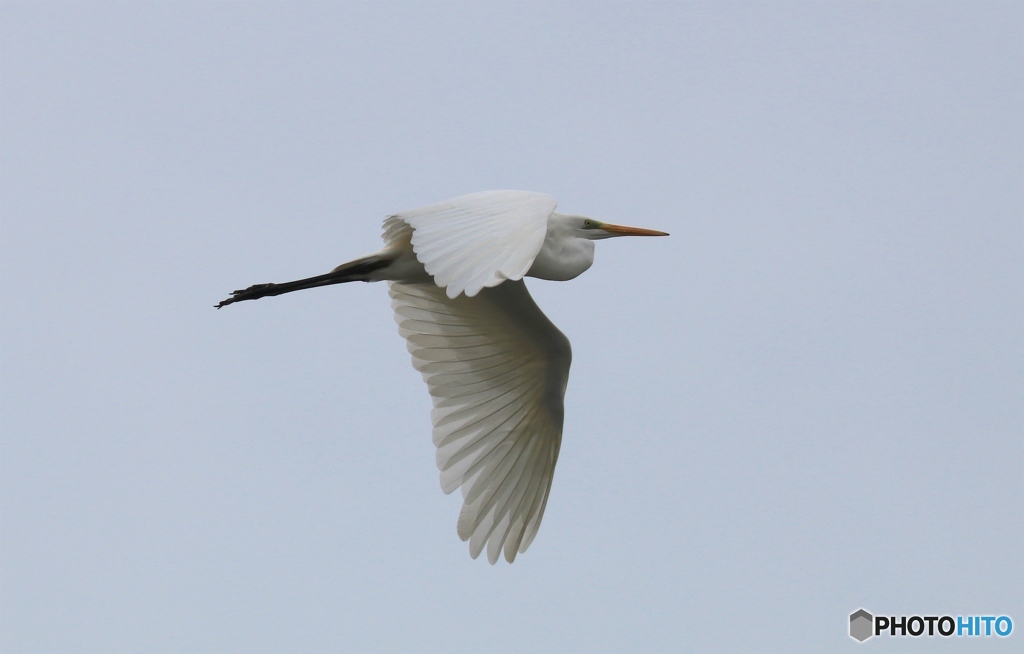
{"points": [[254, 292]]}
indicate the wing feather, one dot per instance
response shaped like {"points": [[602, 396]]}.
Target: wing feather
{"points": [[496, 369], [475, 241]]}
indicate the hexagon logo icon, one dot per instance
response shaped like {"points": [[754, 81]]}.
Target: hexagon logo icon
{"points": [[861, 625]]}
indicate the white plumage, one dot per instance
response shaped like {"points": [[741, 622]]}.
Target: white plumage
{"points": [[494, 364], [476, 241], [496, 368]]}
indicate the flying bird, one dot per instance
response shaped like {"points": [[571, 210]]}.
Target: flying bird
{"points": [[494, 364]]}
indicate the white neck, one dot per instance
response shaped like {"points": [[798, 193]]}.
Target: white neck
{"points": [[564, 255]]}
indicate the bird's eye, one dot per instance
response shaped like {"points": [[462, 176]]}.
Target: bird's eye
{"points": [[588, 224]]}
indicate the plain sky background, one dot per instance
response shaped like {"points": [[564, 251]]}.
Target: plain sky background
{"points": [[808, 400]]}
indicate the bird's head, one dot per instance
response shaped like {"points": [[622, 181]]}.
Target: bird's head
{"points": [[596, 230]]}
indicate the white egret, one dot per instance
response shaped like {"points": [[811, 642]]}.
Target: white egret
{"points": [[494, 364]]}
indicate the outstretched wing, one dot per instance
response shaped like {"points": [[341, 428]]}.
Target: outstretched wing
{"points": [[475, 241], [496, 368]]}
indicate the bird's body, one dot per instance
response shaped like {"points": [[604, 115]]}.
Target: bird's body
{"points": [[494, 364]]}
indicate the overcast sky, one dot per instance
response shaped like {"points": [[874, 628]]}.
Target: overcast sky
{"points": [[806, 401]]}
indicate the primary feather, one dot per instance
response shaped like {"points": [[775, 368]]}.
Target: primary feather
{"points": [[497, 370]]}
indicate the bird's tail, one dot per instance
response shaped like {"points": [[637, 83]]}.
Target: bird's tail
{"points": [[353, 271]]}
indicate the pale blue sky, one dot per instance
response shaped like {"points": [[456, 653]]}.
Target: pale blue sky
{"points": [[808, 400]]}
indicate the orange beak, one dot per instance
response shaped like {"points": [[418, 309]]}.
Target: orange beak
{"points": [[620, 230]]}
